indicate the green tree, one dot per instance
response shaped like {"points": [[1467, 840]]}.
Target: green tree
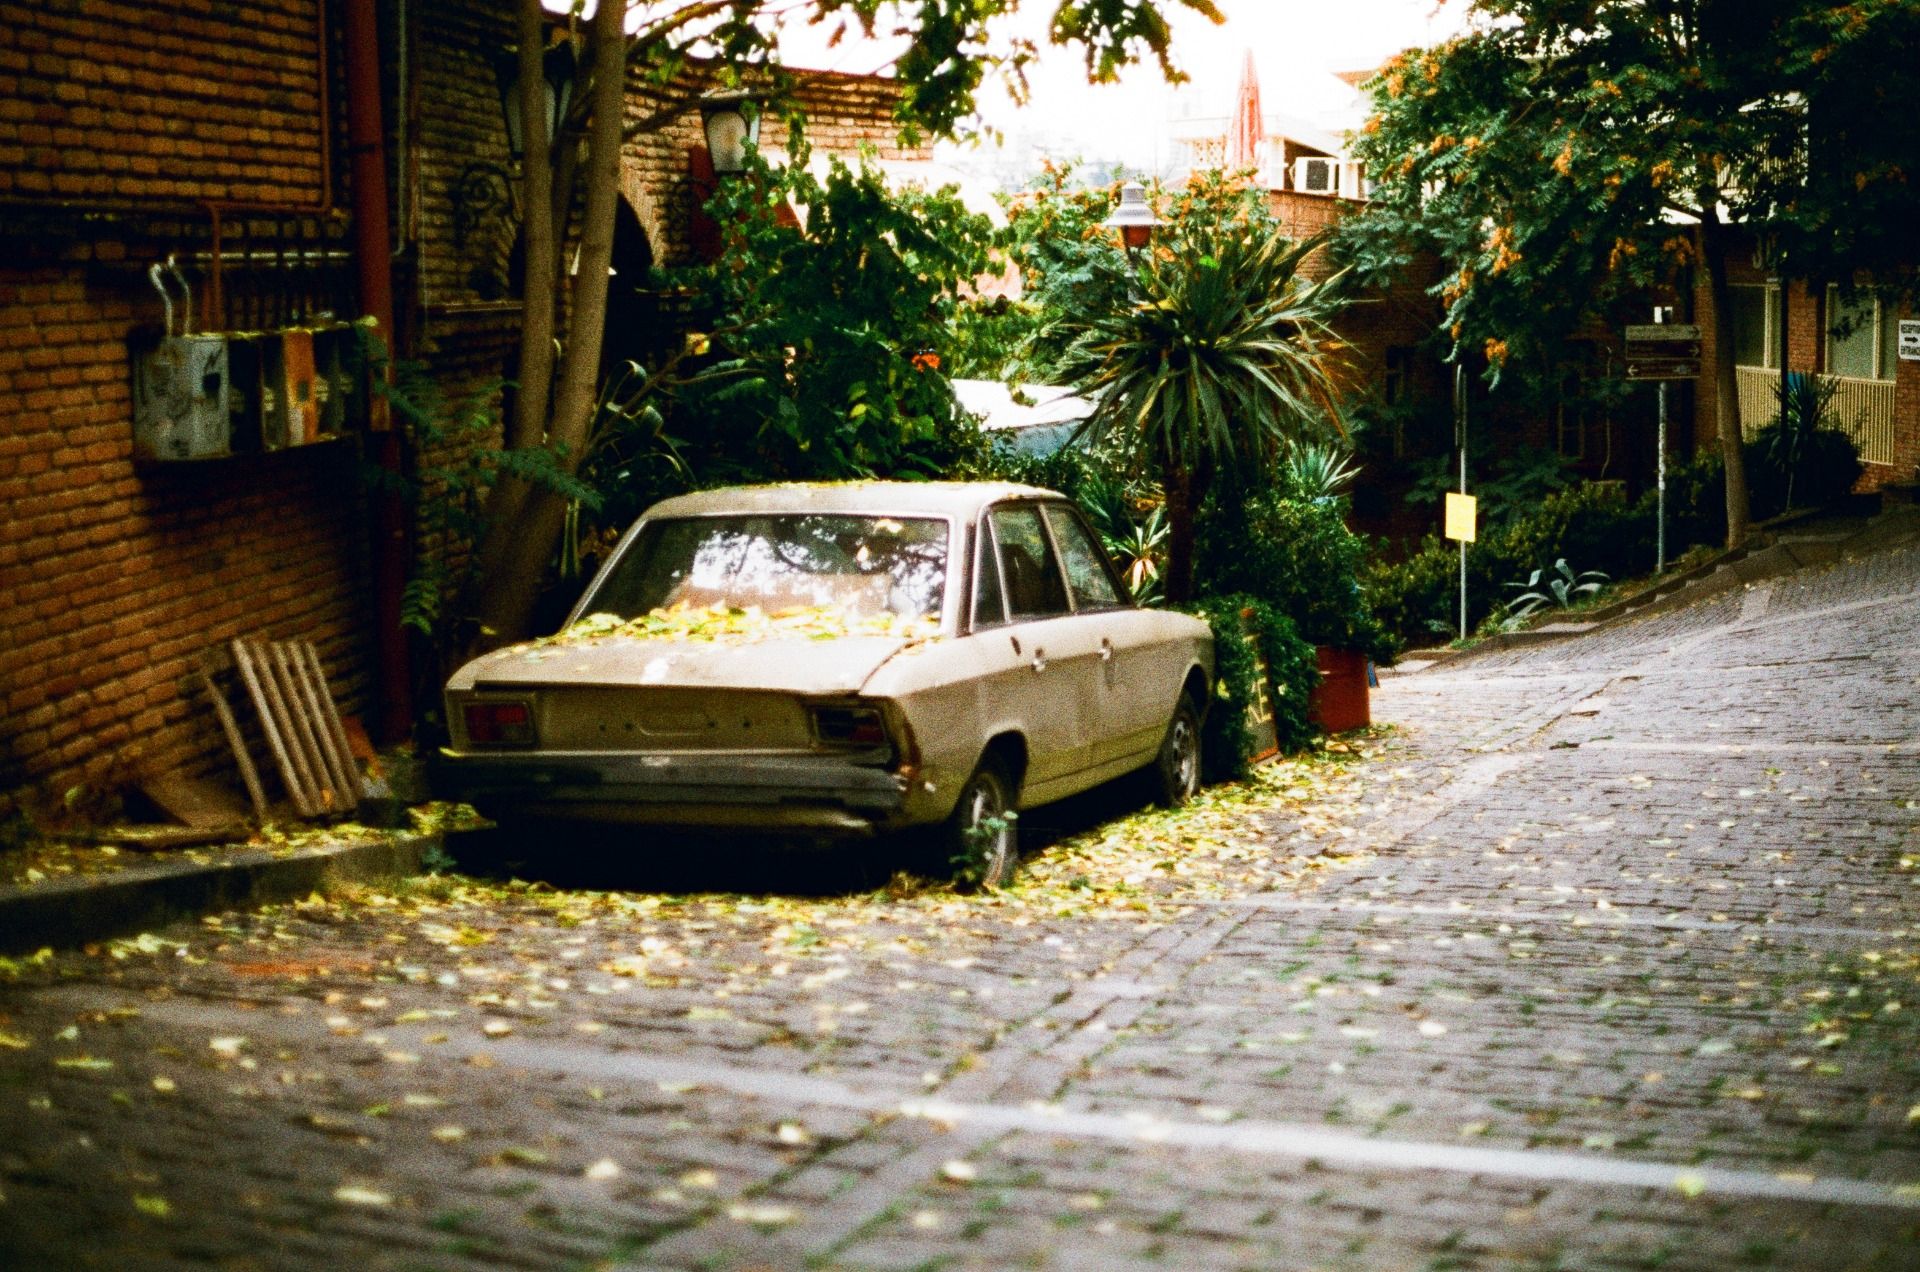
{"points": [[822, 359], [1218, 356], [1566, 152], [949, 48]]}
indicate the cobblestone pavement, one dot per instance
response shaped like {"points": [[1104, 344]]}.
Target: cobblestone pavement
{"points": [[1619, 971]]}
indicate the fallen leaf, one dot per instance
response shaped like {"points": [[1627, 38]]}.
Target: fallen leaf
{"points": [[960, 1172], [763, 1215], [605, 1168], [156, 1207], [355, 1195], [1689, 1184]]}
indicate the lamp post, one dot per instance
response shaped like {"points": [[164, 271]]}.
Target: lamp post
{"points": [[557, 69], [732, 123], [1134, 218]]}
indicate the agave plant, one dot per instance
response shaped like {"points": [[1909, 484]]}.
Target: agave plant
{"points": [[1216, 361], [1138, 548], [1318, 470], [1563, 588]]}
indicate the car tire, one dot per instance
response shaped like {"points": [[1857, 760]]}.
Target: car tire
{"points": [[984, 856], [1175, 772]]}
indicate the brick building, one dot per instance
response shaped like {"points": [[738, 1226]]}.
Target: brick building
{"points": [[1852, 346], [133, 133]]}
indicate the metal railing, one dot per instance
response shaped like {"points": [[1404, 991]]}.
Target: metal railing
{"points": [[1863, 409]]}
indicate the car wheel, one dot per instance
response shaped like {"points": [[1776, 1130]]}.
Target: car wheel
{"points": [[982, 838], [1176, 771]]}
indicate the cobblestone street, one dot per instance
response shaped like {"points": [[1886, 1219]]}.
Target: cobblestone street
{"points": [[1618, 967]]}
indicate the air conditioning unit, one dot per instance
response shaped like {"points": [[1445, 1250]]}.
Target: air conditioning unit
{"points": [[1316, 174], [1353, 180]]}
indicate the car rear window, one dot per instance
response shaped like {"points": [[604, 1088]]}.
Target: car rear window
{"points": [[857, 566]]}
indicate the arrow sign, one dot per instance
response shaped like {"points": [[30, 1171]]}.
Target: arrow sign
{"points": [[1663, 351]]}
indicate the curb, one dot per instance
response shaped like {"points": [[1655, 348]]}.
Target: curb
{"points": [[1780, 551], [71, 912]]}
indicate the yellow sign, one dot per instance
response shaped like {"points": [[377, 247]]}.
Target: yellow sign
{"points": [[1460, 516]]}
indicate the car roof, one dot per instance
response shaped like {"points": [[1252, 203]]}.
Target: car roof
{"points": [[899, 498]]}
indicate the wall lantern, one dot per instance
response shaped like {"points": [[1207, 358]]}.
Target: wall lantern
{"points": [[557, 69], [732, 121], [1134, 217]]}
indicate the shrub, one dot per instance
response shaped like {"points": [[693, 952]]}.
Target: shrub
{"points": [[1292, 671], [1297, 556], [1414, 598]]}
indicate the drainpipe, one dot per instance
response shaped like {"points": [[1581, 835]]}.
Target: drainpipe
{"points": [[366, 151]]}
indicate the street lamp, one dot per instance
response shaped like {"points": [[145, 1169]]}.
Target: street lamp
{"points": [[732, 122], [1134, 217], [557, 69]]}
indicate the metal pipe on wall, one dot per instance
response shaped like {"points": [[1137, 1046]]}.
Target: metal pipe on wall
{"points": [[366, 149]]}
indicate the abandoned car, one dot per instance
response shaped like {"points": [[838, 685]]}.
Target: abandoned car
{"points": [[835, 660]]}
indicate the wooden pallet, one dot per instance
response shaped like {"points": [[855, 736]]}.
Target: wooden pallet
{"points": [[300, 723]]}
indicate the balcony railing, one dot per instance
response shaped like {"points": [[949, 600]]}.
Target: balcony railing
{"points": [[1863, 409]]}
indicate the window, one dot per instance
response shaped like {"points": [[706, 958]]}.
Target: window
{"points": [[1756, 325], [862, 567], [1087, 577], [989, 601], [1861, 337], [1027, 569]]}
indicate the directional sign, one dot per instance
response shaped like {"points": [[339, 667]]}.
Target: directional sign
{"points": [[1909, 339], [1663, 351]]}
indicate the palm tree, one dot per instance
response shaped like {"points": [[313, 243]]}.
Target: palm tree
{"points": [[1221, 355]]}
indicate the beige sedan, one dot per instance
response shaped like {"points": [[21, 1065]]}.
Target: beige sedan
{"points": [[843, 659]]}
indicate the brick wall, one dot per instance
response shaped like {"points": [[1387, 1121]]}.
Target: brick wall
{"points": [[115, 578], [178, 102]]}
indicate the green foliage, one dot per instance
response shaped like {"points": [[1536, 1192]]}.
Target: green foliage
{"points": [[1544, 155], [1511, 482], [820, 365], [947, 51], [1292, 670], [1591, 523], [1317, 470], [1297, 556], [1803, 402], [1563, 588]]}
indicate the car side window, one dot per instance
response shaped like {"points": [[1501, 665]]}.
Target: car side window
{"points": [[1087, 575], [989, 600], [1031, 576]]}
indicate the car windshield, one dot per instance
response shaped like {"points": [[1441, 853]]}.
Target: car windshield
{"points": [[859, 568]]}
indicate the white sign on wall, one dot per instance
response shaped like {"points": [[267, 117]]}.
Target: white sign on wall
{"points": [[1910, 339]]}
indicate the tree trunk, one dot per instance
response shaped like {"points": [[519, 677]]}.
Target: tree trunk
{"points": [[515, 550], [1726, 396], [533, 395], [1181, 502]]}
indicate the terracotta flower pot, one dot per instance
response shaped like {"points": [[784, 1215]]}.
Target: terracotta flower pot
{"points": [[1339, 699]]}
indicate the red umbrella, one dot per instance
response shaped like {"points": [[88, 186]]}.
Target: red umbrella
{"points": [[1244, 130]]}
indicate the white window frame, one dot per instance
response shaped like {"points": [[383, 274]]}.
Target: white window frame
{"points": [[1770, 324], [1881, 373]]}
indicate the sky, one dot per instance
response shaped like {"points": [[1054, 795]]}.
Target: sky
{"points": [[1297, 46]]}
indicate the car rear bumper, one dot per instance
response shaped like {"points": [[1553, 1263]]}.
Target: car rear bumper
{"points": [[807, 794]]}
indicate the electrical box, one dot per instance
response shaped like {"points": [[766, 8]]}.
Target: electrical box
{"points": [[203, 395], [181, 388]]}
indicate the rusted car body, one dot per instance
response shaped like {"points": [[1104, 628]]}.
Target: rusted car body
{"points": [[834, 660]]}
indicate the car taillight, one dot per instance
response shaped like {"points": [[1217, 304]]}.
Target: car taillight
{"points": [[499, 723], [850, 726]]}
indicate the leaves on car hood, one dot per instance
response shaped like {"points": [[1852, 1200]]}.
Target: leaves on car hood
{"points": [[731, 624]]}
